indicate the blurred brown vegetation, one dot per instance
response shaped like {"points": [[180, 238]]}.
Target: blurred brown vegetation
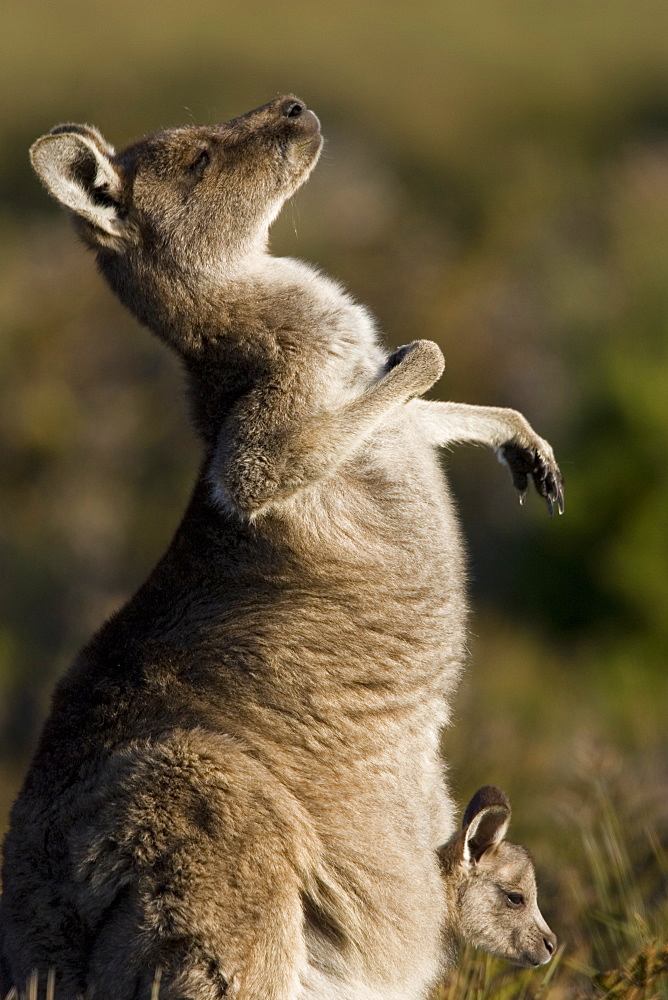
{"points": [[496, 179]]}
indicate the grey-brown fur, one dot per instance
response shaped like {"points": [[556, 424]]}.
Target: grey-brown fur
{"points": [[491, 887], [239, 782]]}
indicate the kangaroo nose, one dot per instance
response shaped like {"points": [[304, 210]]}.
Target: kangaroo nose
{"points": [[293, 109]]}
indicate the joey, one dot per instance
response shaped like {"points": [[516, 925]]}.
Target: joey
{"points": [[491, 886]]}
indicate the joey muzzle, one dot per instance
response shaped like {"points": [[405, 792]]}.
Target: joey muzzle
{"points": [[544, 950]]}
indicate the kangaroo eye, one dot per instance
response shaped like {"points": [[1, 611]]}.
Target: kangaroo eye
{"points": [[199, 165], [515, 899]]}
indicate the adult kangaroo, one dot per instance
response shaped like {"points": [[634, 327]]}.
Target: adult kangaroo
{"points": [[238, 789]]}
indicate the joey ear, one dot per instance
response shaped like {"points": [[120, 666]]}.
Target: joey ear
{"points": [[75, 165], [485, 822]]}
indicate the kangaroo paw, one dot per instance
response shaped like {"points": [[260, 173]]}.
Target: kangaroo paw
{"points": [[418, 365], [537, 463]]}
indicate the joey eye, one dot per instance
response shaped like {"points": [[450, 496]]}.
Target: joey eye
{"points": [[200, 163], [515, 900]]}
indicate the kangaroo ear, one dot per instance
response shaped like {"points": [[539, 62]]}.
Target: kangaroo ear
{"points": [[76, 166], [485, 822]]}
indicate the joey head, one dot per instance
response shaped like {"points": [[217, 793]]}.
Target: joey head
{"points": [[491, 886]]}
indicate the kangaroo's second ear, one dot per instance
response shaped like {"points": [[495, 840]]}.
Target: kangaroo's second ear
{"points": [[485, 821], [76, 167]]}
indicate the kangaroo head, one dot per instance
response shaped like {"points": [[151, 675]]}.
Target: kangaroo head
{"points": [[184, 200], [492, 885]]}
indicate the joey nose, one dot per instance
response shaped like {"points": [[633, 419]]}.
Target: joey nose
{"points": [[550, 942]]}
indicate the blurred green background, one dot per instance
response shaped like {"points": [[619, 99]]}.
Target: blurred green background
{"points": [[495, 179]]}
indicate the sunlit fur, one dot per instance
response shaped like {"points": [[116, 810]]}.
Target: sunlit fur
{"points": [[239, 782]]}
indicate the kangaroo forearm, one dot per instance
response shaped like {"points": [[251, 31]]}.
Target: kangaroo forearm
{"points": [[517, 445], [257, 465], [460, 423], [261, 472], [254, 479]]}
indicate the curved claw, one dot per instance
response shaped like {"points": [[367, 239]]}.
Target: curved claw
{"points": [[551, 488], [560, 496], [525, 463]]}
